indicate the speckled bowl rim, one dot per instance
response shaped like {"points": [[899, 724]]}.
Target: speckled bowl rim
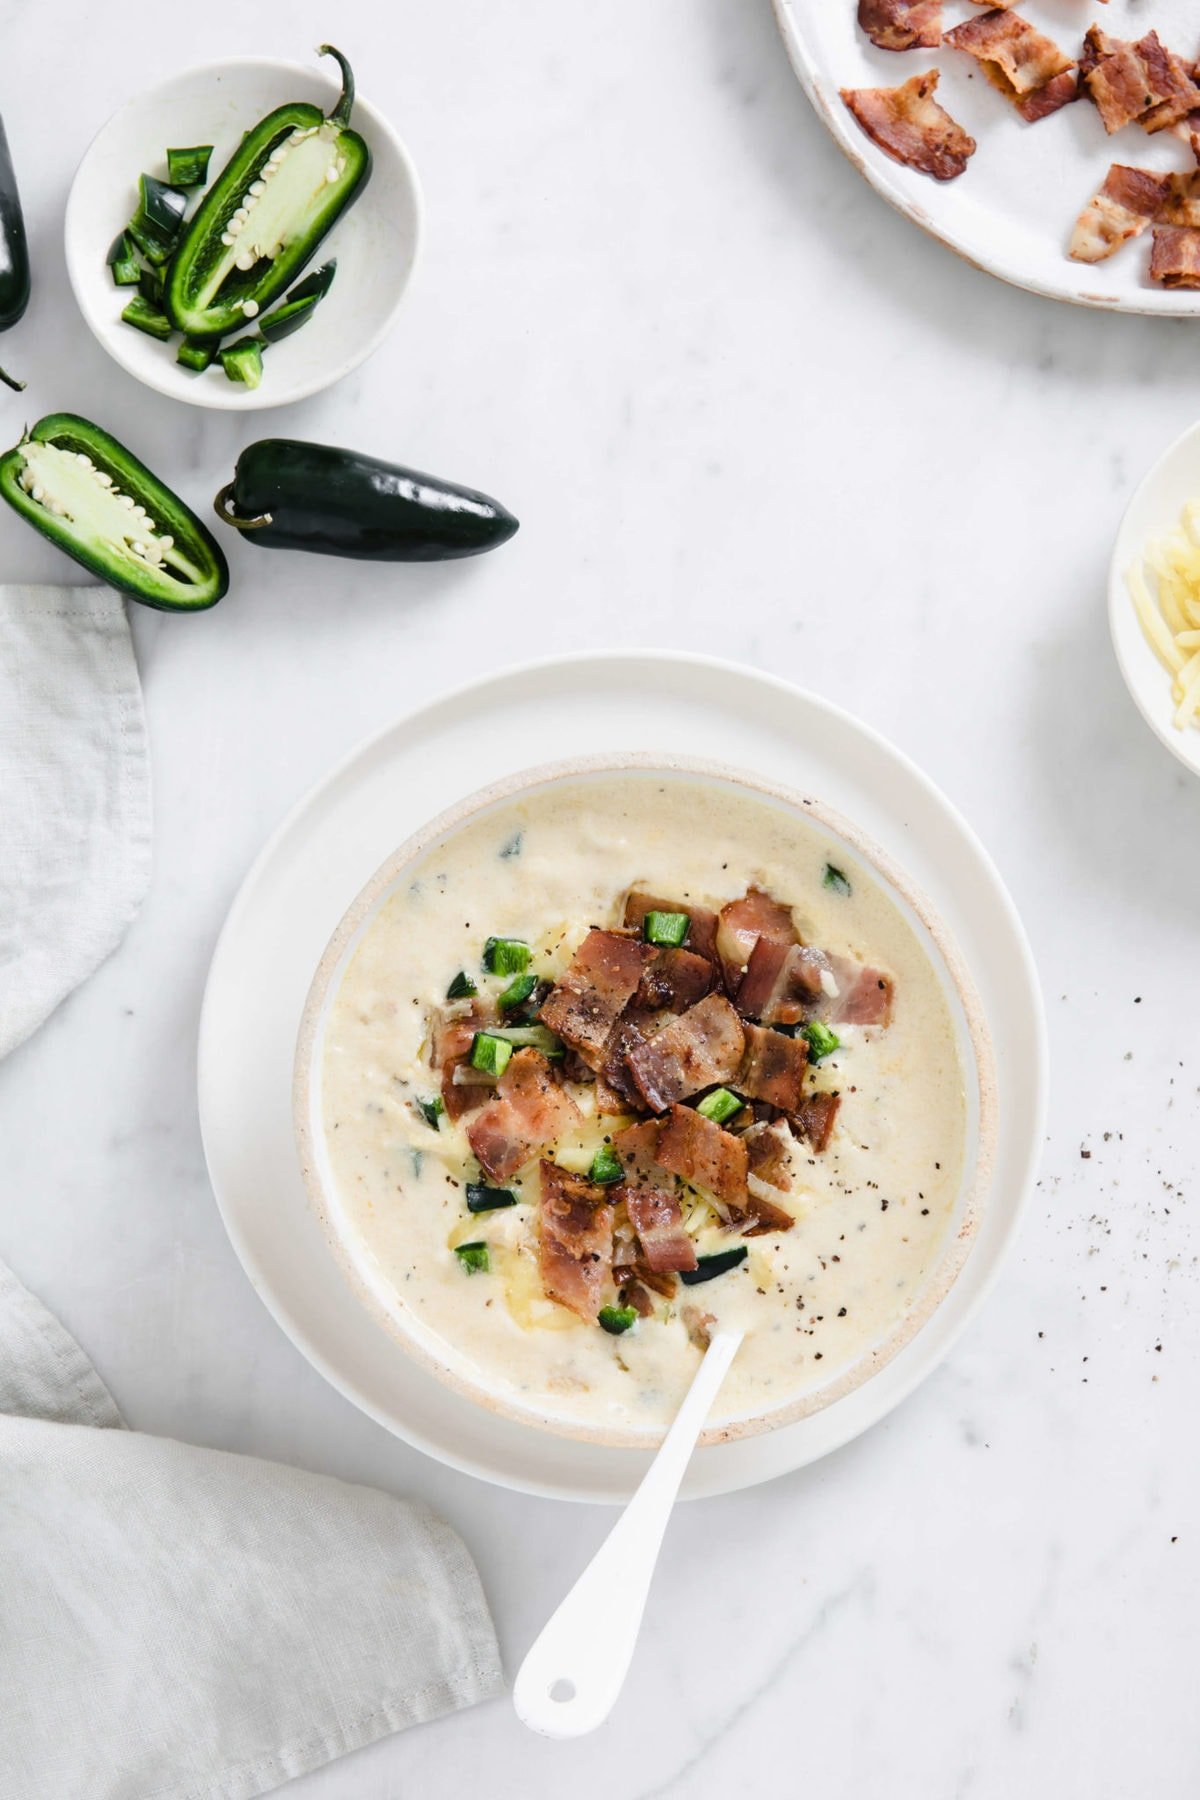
{"points": [[310, 1042]]}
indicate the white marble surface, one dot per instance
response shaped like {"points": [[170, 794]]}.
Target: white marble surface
{"points": [[737, 404]]}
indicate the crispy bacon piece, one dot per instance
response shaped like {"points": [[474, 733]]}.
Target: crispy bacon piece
{"points": [[451, 1036], [700, 1048], [658, 1221], [781, 982], [1175, 259], [698, 1324], [1129, 201], [1180, 203], [587, 1002], [703, 1153], [759, 1218], [864, 995], [814, 1119], [575, 1247], [634, 1294], [1025, 65], [769, 1158], [772, 1067], [744, 925], [909, 125], [528, 1114], [902, 24], [675, 980], [702, 924], [1143, 81]]}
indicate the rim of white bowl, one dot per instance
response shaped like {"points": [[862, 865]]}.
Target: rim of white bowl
{"points": [[1183, 745], [251, 399]]}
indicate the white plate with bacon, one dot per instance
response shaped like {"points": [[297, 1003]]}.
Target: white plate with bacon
{"points": [[323, 854], [1059, 153]]}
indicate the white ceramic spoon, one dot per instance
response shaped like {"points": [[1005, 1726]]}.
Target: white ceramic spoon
{"points": [[570, 1680]]}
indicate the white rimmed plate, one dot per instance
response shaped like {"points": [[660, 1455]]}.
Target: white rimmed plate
{"points": [[375, 241], [1153, 512], [324, 853], [1012, 211]]}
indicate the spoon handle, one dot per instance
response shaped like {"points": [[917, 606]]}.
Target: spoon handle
{"points": [[570, 1680]]}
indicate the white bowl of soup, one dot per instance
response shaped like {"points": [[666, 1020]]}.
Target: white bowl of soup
{"points": [[624, 1049]]}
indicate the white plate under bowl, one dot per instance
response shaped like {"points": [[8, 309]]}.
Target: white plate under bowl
{"points": [[324, 853], [1153, 512], [375, 241], [1012, 211]]}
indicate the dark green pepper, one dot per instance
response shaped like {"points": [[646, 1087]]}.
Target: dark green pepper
{"points": [[14, 252], [289, 180], [295, 496], [93, 498]]}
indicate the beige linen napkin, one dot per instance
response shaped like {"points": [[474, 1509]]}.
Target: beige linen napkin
{"points": [[74, 794], [183, 1624], [175, 1623]]}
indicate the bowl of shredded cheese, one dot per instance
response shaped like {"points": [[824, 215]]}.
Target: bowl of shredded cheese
{"points": [[1154, 598]]}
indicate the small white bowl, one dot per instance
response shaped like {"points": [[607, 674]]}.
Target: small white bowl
{"points": [[375, 242], [1153, 512]]}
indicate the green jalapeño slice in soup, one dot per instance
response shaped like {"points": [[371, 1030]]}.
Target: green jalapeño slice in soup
{"points": [[625, 1058]]}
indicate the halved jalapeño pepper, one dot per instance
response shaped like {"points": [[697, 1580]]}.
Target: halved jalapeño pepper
{"points": [[286, 184], [296, 496], [93, 498]]}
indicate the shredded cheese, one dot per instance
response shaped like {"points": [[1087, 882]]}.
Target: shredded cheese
{"points": [[1170, 613]]}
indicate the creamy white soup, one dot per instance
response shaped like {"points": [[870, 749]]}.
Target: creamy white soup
{"points": [[812, 1219]]}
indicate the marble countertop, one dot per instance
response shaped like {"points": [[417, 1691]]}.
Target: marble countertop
{"points": [[738, 405]]}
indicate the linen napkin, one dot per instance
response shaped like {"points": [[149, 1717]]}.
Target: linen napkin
{"points": [[184, 1624], [74, 794], [175, 1623]]}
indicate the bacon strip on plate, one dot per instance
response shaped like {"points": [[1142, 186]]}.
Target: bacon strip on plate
{"points": [[902, 24], [1129, 201], [529, 1113], [575, 1246], [1181, 200], [704, 1153], [1143, 81], [702, 924], [773, 1067], [1175, 259], [602, 979], [1025, 65], [909, 125], [699, 1049]]}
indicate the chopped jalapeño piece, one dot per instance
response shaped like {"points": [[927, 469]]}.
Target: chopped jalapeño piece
{"points": [[606, 1166], [432, 1111], [506, 956], [145, 316], [709, 1266], [123, 261], [490, 1053], [243, 361], [474, 1257], [821, 1041], [720, 1105], [833, 878], [667, 929], [482, 1198], [616, 1319], [517, 992], [196, 353], [158, 222], [188, 168], [462, 987]]}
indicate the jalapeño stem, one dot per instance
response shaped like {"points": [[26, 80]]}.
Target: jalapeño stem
{"points": [[341, 112]]}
